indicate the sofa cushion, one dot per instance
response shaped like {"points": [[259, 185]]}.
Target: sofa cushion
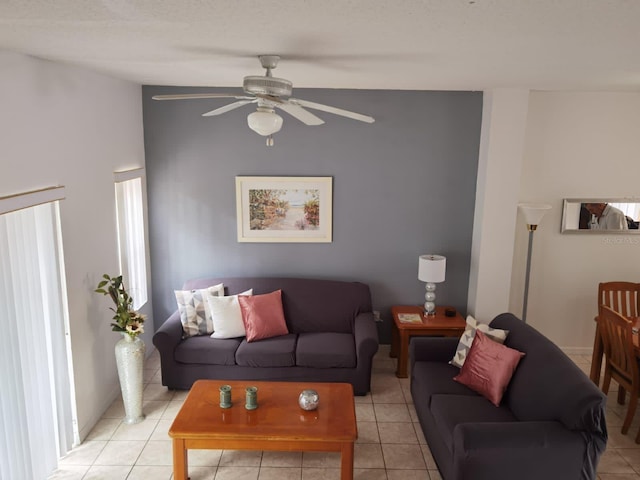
{"points": [[269, 352], [432, 378], [451, 410], [326, 350], [207, 350], [193, 306], [262, 315], [466, 339], [488, 368]]}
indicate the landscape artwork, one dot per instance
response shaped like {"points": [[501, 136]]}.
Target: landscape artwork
{"points": [[284, 209]]}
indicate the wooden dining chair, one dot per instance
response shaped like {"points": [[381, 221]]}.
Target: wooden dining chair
{"points": [[621, 297], [621, 362]]}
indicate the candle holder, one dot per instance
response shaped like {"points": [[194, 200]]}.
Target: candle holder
{"points": [[225, 396], [251, 398]]}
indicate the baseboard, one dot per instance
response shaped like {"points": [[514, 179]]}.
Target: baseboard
{"points": [[577, 350]]}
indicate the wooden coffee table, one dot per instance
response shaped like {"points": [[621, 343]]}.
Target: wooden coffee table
{"points": [[437, 325], [277, 424]]}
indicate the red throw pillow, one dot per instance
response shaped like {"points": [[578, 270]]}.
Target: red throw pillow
{"points": [[263, 316], [489, 368]]}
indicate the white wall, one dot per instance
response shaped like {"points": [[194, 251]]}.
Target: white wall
{"points": [[577, 145], [62, 125]]}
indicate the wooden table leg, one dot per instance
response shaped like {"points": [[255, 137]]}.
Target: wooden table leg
{"points": [[393, 351], [403, 355], [596, 358], [180, 467], [347, 462]]}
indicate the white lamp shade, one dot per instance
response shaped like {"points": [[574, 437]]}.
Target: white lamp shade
{"points": [[264, 123], [432, 268], [533, 212]]}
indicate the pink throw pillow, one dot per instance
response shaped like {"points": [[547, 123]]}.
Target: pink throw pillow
{"points": [[489, 368], [263, 316]]}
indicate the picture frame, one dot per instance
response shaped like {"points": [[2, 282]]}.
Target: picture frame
{"points": [[284, 209]]}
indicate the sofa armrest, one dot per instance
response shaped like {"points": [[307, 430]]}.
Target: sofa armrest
{"points": [[365, 336], [524, 450], [169, 335], [432, 349]]}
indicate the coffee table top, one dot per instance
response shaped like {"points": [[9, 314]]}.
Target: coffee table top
{"points": [[278, 415]]}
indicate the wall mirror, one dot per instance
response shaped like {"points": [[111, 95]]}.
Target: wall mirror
{"points": [[601, 215]]}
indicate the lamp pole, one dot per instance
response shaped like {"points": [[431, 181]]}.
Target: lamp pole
{"points": [[533, 213], [531, 228]]}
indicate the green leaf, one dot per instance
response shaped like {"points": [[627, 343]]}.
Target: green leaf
{"points": [[102, 283]]}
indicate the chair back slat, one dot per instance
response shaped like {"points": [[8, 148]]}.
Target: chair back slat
{"points": [[621, 297]]}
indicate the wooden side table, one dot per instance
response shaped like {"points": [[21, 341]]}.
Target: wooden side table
{"points": [[437, 325]]}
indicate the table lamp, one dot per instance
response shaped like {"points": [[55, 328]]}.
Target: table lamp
{"points": [[431, 269]]}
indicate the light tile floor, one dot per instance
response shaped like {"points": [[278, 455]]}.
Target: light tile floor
{"points": [[390, 443]]}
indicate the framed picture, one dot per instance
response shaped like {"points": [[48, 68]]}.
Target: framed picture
{"points": [[284, 209]]}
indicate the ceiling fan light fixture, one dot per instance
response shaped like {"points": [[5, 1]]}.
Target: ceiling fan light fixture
{"points": [[264, 121]]}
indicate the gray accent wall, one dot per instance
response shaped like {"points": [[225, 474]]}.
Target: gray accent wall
{"points": [[402, 187]]}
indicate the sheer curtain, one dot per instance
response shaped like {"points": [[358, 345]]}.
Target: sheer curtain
{"points": [[36, 401], [131, 237]]}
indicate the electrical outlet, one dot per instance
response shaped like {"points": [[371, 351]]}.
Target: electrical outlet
{"points": [[376, 316]]}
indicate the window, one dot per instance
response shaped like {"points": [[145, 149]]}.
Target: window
{"points": [[131, 237], [629, 209], [37, 410]]}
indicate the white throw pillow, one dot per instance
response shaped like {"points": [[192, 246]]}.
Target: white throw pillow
{"points": [[464, 345], [195, 315], [227, 316]]}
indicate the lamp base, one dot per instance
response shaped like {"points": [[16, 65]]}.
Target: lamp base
{"points": [[430, 297]]}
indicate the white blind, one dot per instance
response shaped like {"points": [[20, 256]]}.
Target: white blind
{"points": [[132, 247], [36, 405], [629, 209]]}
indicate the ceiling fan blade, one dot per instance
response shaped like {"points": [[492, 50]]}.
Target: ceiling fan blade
{"points": [[300, 113], [334, 110], [228, 108], [187, 96]]}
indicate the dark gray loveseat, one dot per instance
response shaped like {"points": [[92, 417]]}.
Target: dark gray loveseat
{"points": [[332, 338], [550, 424]]}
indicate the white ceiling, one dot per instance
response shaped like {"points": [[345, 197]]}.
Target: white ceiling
{"points": [[372, 44]]}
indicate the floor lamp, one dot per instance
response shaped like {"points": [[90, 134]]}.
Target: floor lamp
{"points": [[533, 213]]}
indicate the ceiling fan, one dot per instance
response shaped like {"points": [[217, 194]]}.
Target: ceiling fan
{"points": [[269, 93]]}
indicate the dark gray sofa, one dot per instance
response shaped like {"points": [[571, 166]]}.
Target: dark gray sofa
{"points": [[332, 338], [550, 424]]}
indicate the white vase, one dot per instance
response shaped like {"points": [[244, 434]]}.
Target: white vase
{"points": [[130, 362]]}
